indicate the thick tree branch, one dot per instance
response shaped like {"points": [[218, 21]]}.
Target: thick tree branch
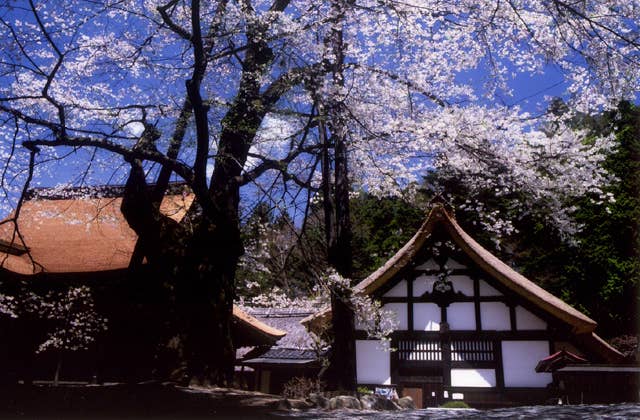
{"points": [[200, 110], [288, 80], [280, 165], [180, 168]]}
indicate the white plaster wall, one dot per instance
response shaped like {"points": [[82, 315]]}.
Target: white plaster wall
{"points": [[495, 316], [426, 317], [372, 363], [453, 264], [430, 264], [525, 320], [401, 313], [461, 316], [423, 283], [486, 290], [399, 290], [462, 284], [519, 359], [482, 378]]}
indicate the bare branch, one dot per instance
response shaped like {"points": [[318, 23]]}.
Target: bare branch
{"points": [[405, 82]]}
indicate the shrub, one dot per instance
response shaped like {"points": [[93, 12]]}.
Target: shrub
{"points": [[363, 390], [455, 404], [301, 387]]}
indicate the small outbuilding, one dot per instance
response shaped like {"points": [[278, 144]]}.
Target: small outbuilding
{"points": [[295, 355]]}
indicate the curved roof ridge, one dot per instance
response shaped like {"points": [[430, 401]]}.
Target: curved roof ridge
{"points": [[400, 259]]}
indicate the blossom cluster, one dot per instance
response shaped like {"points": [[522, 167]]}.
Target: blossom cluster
{"points": [[75, 322], [423, 83], [70, 316]]}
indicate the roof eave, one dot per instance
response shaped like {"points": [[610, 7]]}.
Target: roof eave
{"points": [[268, 332], [402, 257], [579, 322]]}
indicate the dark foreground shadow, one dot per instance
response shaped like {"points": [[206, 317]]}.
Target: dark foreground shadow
{"points": [[145, 401]]}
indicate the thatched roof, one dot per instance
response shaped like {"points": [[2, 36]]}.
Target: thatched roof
{"points": [[508, 277], [88, 233], [75, 235]]}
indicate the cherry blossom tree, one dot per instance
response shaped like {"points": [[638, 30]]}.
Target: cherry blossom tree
{"points": [[192, 90], [67, 317], [75, 324]]}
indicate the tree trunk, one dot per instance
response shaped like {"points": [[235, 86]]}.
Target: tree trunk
{"points": [[56, 375], [208, 304], [341, 372], [201, 253]]}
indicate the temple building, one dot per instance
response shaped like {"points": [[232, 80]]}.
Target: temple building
{"points": [[469, 327], [79, 237]]}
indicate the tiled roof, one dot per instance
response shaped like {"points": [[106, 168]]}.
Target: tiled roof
{"points": [[289, 354], [295, 348], [288, 320]]}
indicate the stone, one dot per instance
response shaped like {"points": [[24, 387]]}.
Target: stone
{"points": [[377, 402], [293, 404], [406, 403], [318, 400], [344, 401], [284, 405], [369, 402], [389, 405], [298, 404]]}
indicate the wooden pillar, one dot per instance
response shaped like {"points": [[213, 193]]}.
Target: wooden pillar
{"points": [[446, 356], [497, 354]]}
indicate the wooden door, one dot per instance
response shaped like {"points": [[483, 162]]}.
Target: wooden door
{"points": [[265, 381], [415, 393]]}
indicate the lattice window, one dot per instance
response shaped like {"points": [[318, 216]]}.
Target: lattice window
{"points": [[472, 351], [419, 350]]}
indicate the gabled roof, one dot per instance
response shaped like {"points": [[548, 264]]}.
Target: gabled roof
{"points": [[558, 360], [508, 277], [251, 331], [89, 234]]}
